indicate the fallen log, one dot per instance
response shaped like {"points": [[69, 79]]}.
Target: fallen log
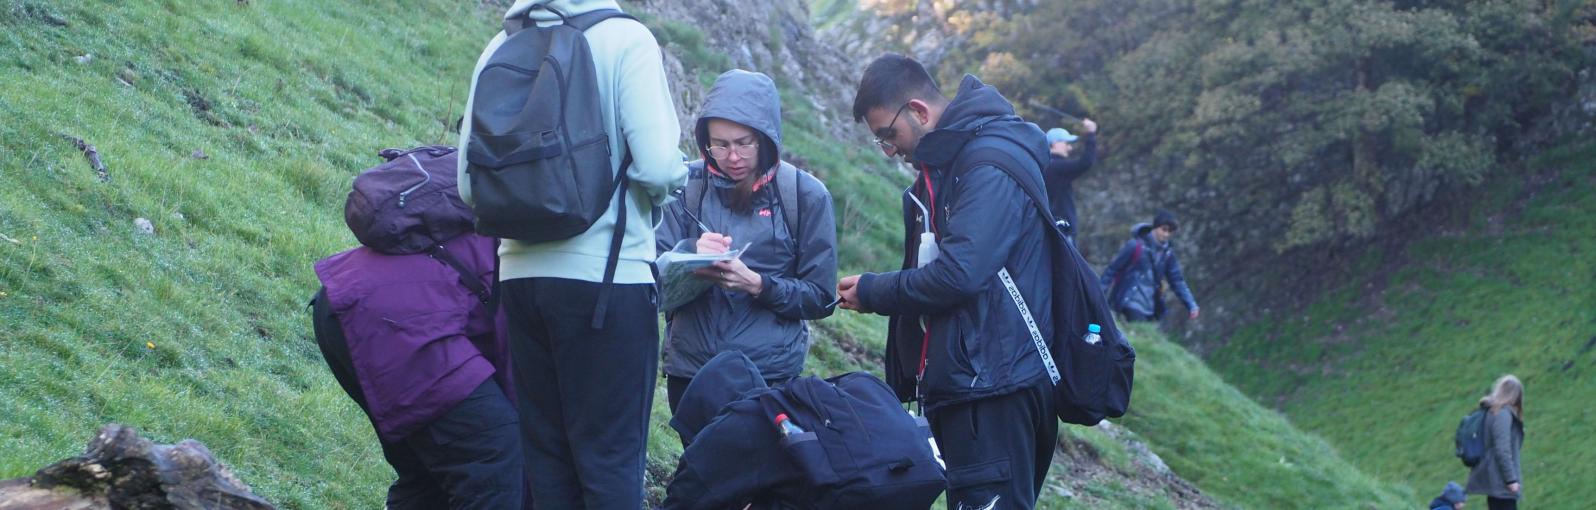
{"points": [[121, 470]]}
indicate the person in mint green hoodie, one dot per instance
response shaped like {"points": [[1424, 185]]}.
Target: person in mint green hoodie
{"points": [[585, 393]]}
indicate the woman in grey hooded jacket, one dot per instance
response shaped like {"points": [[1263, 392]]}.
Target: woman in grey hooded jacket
{"points": [[760, 302], [1497, 476]]}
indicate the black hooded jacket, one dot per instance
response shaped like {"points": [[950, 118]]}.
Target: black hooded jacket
{"points": [[978, 345], [1060, 175]]}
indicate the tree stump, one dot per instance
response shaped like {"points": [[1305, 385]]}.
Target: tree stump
{"points": [[120, 470]]}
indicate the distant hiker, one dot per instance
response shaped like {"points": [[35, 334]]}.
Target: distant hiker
{"points": [[1451, 498], [957, 342], [746, 195], [581, 305], [1134, 280], [1062, 170], [406, 325], [1497, 476]]}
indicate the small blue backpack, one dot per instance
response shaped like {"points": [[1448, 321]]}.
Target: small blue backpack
{"points": [[1470, 439]]}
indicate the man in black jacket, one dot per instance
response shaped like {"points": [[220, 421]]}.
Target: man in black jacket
{"points": [[1062, 170], [957, 342]]}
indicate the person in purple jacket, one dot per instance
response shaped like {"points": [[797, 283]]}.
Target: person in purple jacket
{"points": [[425, 357]]}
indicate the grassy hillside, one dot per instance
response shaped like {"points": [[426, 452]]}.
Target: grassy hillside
{"points": [[1239, 452], [234, 128], [199, 330], [1414, 332]]}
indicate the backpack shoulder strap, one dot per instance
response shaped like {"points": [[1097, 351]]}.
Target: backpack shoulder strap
{"points": [[469, 280], [697, 185], [586, 20], [581, 22], [982, 152], [787, 193]]}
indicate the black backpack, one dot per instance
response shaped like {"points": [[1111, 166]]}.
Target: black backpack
{"points": [[1470, 438], [858, 447], [539, 158], [1090, 381]]}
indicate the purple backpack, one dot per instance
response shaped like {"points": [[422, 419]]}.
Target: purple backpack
{"points": [[408, 204]]}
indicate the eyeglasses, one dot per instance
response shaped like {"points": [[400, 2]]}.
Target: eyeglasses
{"points": [[744, 151], [890, 131]]}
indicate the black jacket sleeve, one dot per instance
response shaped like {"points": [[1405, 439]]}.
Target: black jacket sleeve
{"points": [[976, 241], [1070, 169], [804, 296]]}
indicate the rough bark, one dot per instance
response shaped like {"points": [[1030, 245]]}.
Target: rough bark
{"points": [[121, 470]]}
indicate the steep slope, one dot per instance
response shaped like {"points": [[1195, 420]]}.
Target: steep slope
{"points": [[234, 128], [1410, 333]]}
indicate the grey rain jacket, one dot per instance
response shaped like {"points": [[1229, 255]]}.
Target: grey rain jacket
{"points": [[799, 269], [978, 344], [1504, 438]]}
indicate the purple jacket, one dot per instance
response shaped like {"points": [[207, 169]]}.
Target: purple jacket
{"points": [[419, 340]]}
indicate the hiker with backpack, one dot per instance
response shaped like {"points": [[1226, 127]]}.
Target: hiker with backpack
{"points": [[1134, 280], [1062, 170], [744, 194], [1497, 473], [407, 324], [570, 142], [957, 341]]}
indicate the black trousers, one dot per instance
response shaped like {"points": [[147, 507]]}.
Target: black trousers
{"points": [[468, 459], [997, 449], [1501, 504], [676, 386], [585, 394]]}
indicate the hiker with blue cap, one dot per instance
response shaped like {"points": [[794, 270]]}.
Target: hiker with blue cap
{"points": [[1062, 170]]}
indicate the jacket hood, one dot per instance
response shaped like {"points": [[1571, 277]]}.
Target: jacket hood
{"points": [[1141, 230], [566, 7], [744, 97], [728, 377], [978, 109]]}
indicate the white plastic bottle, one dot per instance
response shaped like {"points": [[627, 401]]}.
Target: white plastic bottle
{"points": [[1092, 337]]}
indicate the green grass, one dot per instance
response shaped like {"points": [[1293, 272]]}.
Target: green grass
{"points": [[1238, 452], [287, 99], [200, 330], [1387, 363]]}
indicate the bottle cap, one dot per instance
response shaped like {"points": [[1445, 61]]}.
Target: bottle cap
{"points": [[1094, 328], [781, 417]]}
